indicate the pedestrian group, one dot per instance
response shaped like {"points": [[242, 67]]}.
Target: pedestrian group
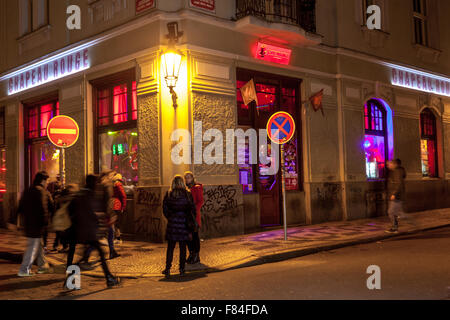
{"points": [[81, 216]]}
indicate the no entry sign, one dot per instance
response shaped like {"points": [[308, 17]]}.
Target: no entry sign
{"points": [[63, 131], [281, 127]]}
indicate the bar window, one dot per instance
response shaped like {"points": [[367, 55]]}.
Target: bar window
{"points": [[428, 143], [116, 110], [375, 142], [41, 153]]}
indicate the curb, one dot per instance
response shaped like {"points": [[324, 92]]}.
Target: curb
{"points": [[275, 256]]}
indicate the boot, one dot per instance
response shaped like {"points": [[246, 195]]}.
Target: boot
{"points": [[190, 258], [113, 255], [196, 258], [166, 272], [112, 281]]}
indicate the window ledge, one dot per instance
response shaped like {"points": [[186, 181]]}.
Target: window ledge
{"points": [[427, 54], [33, 39], [375, 38]]}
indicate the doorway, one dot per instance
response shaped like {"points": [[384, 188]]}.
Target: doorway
{"points": [[274, 94]]}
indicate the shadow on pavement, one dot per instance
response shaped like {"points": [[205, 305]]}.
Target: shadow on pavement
{"points": [[186, 278], [28, 284], [424, 235], [72, 295]]}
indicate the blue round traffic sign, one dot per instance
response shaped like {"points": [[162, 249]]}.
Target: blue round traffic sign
{"points": [[281, 127]]}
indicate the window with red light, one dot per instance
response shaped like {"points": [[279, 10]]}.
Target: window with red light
{"points": [[428, 143], [117, 113], [273, 94], [116, 103], [41, 153], [37, 118], [375, 142]]}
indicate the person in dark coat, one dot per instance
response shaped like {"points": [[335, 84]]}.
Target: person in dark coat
{"points": [[34, 206], [395, 192], [178, 208], [85, 226]]}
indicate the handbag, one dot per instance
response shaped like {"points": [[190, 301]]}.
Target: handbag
{"points": [[61, 220]]}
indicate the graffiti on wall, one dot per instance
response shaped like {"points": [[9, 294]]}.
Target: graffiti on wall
{"points": [[222, 211], [148, 221], [220, 199]]}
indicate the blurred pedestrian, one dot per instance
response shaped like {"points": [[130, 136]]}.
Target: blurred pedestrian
{"points": [[119, 204], [85, 226], [104, 191], [34, 207], [196, 190], [395, 192], [178, 208], [61, 203]]}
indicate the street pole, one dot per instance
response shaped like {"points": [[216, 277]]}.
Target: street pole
{"points": [[63, 169], [283, 191]]}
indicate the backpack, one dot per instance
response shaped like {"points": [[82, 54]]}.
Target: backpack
{"points": [[61, 220]]}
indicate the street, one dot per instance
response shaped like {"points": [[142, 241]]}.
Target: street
{"points": [[412, 267]]}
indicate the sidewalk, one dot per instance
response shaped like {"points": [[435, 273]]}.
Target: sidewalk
{"points": [[143, 259]]}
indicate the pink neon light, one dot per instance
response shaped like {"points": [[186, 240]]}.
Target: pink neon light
{"points": [[273, 53]]}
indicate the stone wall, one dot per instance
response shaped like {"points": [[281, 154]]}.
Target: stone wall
{"points": [[223, 211]]}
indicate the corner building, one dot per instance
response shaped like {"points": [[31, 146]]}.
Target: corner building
{"points": [[386, 95]]}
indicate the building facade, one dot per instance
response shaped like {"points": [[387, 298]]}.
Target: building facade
{"points": [[386, 95]]}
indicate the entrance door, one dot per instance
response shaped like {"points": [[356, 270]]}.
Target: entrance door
{"points": [[268, 186], [274, 94]]}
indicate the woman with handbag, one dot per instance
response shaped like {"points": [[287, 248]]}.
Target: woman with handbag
{"points": [[178, 208]]}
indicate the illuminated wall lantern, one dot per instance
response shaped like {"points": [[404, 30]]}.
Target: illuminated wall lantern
{"points": [[171, 60]]}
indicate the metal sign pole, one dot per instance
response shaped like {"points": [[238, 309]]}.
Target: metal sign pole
{"points": [[283, 191], [63, 171]]}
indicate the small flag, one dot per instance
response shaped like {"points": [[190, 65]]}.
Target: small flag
{"points": [[248, 92], [316, 101]]}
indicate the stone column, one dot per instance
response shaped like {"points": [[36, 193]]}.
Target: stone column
{"points": [[72, 103]]}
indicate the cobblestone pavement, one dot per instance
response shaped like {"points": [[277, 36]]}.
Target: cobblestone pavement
{"points": [[144, 259]]}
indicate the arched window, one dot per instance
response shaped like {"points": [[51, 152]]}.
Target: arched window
{"points": [[375, 142], [428, 143]]}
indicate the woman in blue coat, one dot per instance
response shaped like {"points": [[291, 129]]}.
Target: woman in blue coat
{"points": [[178, 208]]}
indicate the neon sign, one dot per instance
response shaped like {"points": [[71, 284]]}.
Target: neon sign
{"points": [[273, 53], [411, 79], [48, 70]]}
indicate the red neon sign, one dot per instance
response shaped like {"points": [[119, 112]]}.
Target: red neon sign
{"points": [[268, 52]]}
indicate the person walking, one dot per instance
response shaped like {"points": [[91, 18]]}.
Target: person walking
{"points": [[62, 202], [103, 194], [395, 192], [178, 208], [196, 190], [119, 204], [34, 207], [85, 226]]}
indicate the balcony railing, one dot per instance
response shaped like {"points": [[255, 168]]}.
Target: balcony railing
{"points": [[296, 12]]}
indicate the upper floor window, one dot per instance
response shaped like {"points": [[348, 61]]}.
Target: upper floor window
{"points": [[33, 15], [375, 142], [428, 143], [420, 22]]}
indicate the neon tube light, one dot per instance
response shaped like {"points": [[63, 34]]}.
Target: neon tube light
{"points": [[418, 80], [48, 70]]}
